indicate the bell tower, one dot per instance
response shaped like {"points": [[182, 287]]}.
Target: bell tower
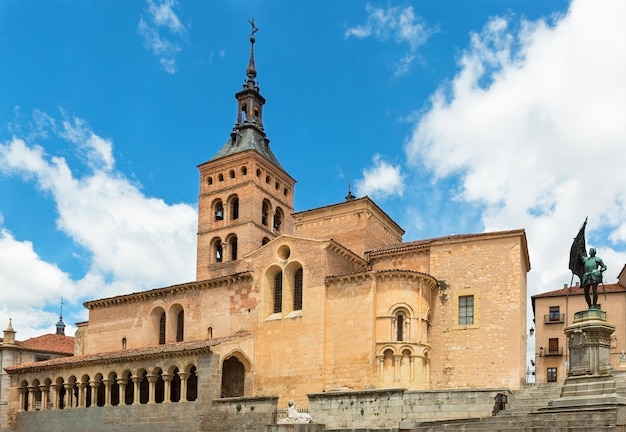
{"points": [[246, 196]]}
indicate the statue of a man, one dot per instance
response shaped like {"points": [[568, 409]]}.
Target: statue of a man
{"points": [[593, 266]]}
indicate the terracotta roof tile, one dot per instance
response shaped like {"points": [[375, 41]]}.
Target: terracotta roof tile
{"points": [[171, 349], [52, 343], [578, 290]]}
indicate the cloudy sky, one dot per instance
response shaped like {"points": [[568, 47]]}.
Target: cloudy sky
{"points": [[454, 116]]}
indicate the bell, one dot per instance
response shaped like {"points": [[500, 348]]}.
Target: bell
{"points": [[219, 215]]}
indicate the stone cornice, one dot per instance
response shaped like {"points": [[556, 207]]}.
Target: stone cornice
{"points": [[383, 274], [174, 289]]}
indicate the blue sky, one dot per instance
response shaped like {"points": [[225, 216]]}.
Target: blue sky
{"points": [[454, 116]]}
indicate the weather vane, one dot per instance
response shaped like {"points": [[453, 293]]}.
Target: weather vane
{"points": [[254, 27]]}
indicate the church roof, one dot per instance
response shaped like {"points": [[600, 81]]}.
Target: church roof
{"points": [[247, 138], [48, 343], [418, 244], [143, 353]]}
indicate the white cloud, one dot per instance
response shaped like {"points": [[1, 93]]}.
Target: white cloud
{"points": [[383, 180], [134, 242], [394, 23], [532, 126], [161, 31]]}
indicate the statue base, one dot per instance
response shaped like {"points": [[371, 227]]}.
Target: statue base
{"points": [[589, 382]]}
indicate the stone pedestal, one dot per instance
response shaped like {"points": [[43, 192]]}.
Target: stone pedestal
{"points": [[589, 380]]}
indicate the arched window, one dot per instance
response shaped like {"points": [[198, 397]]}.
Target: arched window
{"points": [[232, 245], [162, 329], [233, 376], [192, 385], [278, 219], [400, 327], [297, 290], [219, 211], [278, 292], [218, 252], [265, 211], [234, 208], [231, 174], [180, 326], [265, 241], [244, 108]]}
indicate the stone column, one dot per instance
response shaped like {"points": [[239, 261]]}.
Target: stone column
{"points": [[167, 379], [121, 384], [183, 385], [69, 395], [44, 396], [381, 367], [137, 383], [31, 399], [82, 402], [151, 384], [94, 392], [55, 395], [412, 358], [108, 383], [397, 360]]}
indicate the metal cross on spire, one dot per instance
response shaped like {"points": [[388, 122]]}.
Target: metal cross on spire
{"points": [[254, 27]]}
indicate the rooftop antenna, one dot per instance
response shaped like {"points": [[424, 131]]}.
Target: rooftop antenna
{"points": [[349, 197]]}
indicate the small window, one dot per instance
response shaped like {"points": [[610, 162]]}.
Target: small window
{"points": [[265, 241], [268, 179], [210, 332], [297, 290], [552, 374], [220, 177], [466, 310], [231, 174], [244, 170], [400, 327], [210, 181], [278, 292], [555, 313], [277, 185], [258, 173], [123, 343]]}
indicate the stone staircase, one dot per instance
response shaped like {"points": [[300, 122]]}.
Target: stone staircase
{"points": [[525, 412]]}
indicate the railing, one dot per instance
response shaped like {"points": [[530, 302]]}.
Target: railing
{"points": [[553, 352], [553, 318]]}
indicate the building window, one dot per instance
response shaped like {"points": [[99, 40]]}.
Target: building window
{"points": [[297, 290], [400, 327], [162, 329], [231, 174], [466, 310], [265, 212], [555, 313], [552, 374], [553, 346], [234, 208], [219, 211], [123, 343], [278, 293], [265, 241], [278, 219], [180, 326], [218, 252]]}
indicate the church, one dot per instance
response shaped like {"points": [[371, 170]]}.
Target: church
{"points": [[289, 305]]}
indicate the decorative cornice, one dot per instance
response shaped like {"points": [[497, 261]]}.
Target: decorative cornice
{"points": [[382, 275], [174, 289]]}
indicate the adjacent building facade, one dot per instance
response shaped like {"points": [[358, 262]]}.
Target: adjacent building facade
{"points": [[554, 310], [288, 304]]}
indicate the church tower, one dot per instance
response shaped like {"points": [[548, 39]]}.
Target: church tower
{"points": [[246, 196]]}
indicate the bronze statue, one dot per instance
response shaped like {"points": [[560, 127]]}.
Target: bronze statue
{"points": [[589, 269], [594, 266]]}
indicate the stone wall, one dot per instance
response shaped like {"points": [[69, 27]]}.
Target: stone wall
{"points": [[376, 409]]}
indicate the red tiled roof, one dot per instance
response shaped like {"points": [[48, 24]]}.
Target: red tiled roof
{"points": [[169, 350], [52, 343], [578, 290]]}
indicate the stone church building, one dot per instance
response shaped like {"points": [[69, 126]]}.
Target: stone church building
{"points": [[288, 305]]}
